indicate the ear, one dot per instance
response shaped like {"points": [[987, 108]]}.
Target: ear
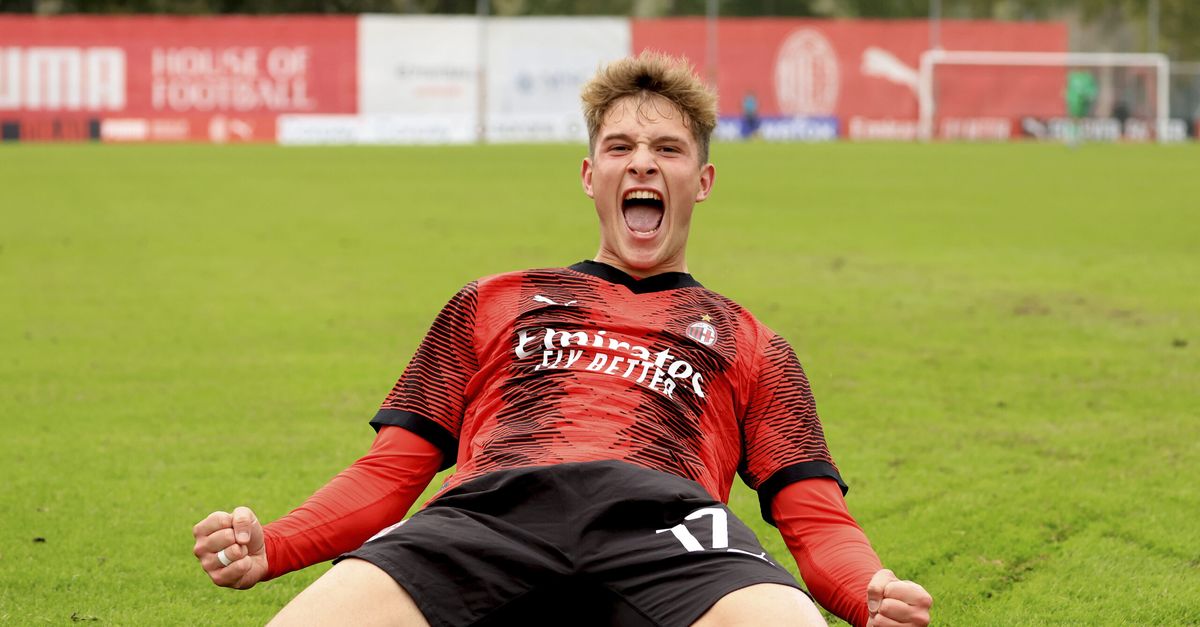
{"points": [[585, 174], [708, 174]]}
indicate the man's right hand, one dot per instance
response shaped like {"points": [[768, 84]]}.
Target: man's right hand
{"points": [[240, 535]]}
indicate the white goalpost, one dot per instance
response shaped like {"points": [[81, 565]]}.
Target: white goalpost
{"points": [[931, 59]]}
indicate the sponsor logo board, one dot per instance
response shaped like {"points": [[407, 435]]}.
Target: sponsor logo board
{"points": [[418, 72], [807, 75], [975, 129], [231, 78], [780, 129], [219, 129], [862, 70], [1101, 129], [49, 128], [62, 78], [173, 68], [562, 127], [419, 66], [863, 128], [536, 68], [375, 129]]}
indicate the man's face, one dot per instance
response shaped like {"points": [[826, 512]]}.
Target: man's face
{"points": [[645, 176]]}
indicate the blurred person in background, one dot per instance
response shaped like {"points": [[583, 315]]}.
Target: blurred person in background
{"points": [[597, 415], [749, 115], [1081, 94]]}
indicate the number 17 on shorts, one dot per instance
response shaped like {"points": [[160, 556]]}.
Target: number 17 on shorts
{"points": [[718, 524]]}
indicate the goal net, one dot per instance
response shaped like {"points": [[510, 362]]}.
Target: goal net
{"points": [[1045, 95]]}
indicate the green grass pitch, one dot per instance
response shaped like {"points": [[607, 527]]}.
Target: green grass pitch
{"points": [[1004, 343]]}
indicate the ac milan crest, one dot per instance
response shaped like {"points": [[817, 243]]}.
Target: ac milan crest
{"points": [[703, 332]]}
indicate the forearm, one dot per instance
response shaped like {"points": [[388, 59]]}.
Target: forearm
{"points": [[374, 492], [835, 558]]}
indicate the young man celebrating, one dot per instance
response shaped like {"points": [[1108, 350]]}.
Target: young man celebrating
{"points": [[597, 415]]}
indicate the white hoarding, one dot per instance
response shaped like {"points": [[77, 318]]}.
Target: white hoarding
{"points": [[299, 129], [419, 66], [536, 67]]}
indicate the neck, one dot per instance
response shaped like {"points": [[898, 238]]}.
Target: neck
{"points": [[641, 272]]}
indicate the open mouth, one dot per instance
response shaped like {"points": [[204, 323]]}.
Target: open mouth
{"points": [[643, 210]]}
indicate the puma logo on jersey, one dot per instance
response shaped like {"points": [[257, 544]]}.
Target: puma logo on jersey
{"points": [[538, 298]]}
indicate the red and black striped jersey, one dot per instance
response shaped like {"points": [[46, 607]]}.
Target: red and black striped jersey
{"points": [[587, 363]]}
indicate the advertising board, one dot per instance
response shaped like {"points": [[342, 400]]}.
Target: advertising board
{"points": [[536, 68], [862, 72], [176, 78], [419, 65]]}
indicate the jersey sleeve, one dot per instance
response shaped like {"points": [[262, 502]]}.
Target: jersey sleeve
{"points": [[835, 558], [430, 397], [782, 438], [376, 491]]}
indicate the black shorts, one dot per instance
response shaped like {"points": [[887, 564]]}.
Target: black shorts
{"points": [[597, 543]]}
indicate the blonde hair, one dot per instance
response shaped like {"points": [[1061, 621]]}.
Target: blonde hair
{"points": [[646, 75]]}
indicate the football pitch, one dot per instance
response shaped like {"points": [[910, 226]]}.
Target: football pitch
{"points": [[1003, 340]]}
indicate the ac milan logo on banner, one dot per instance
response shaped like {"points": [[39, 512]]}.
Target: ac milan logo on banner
{"points": [[806, 74], [703, 332]]}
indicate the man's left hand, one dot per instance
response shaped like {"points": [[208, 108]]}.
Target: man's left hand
{"points": [[893, 602]]}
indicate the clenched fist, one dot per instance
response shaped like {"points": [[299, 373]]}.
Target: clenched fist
{"points": [[240, 536], [895, 603]]}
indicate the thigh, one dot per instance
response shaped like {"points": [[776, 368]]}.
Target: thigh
{"points": [[353, 592], [762, 605]]}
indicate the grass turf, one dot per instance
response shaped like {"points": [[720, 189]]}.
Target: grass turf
{"points": [[1003, 341]]}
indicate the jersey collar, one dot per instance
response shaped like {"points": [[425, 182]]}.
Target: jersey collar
{"points": [[656, 283]]}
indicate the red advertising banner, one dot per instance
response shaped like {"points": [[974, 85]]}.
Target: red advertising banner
{"points": [[863, 72], [176, 78]]}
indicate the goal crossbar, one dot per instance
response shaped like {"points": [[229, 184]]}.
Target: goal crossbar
{"points": [[931, 58]]}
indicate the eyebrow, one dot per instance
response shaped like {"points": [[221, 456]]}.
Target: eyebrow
{"points": [[616, 136], [666, 139]]}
